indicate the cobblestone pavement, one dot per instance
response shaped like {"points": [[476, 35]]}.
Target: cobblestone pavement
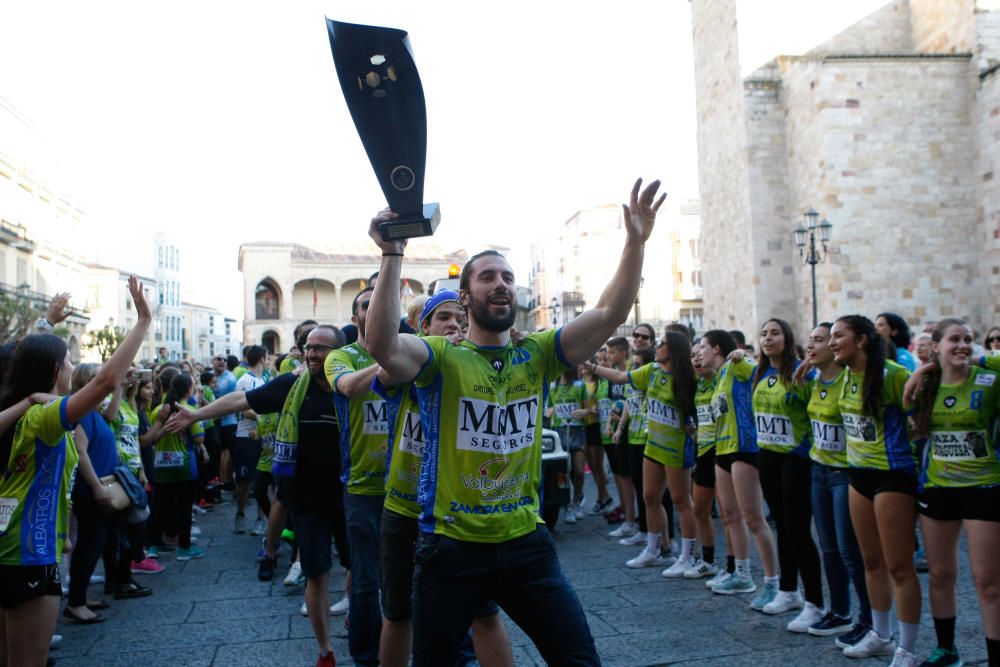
{"points": [[213, 611]]}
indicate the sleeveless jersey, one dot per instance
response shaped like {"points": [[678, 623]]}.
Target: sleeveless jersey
{"points": [[126, 428], [735, 430], [364, 427], [961, 450], [781, 416], [565, 399], [666, 441], [406, 448], [174, 457], [706, 418], [482, 415], [34, 494], [877, 442], [829, 446], [267, 427], [637, 424], [608, 395]]}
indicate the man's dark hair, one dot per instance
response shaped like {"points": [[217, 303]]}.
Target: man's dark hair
{"points": [[682, 329], [246, 348], [232, 362], [739, 338], [337, 333], [619, 343], [206, 377], [354, 304], [645, 355], [254, 354], [466, 275]]}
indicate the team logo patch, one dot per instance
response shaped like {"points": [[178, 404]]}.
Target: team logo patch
{"points": [[949, 402], [771, 381], [985, 380], [854, 388], [663, 379], [822, 394], [497, 365]]}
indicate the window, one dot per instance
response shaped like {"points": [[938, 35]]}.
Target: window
{"points": [[160, 257], [680, 278], [266, 301], [694, 247], [159, 293], [696, 278]]}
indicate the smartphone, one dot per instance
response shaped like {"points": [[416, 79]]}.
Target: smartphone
{"points": [[143, 375]]}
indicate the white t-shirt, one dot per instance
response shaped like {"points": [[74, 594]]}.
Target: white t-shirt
{"points": [[247, 382]]}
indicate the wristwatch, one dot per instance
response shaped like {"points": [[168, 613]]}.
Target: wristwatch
{"points": [[43, 324]]}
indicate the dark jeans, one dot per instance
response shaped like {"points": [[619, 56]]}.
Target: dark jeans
{"points": [[364, 516], [172, 512], [635, 463], [94, 529], [453, 580], [837, 541], [786, 482]]}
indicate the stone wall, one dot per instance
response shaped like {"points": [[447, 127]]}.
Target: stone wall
{"points": [[722, 167], [987, 237], [887, 30], [943, 26]]}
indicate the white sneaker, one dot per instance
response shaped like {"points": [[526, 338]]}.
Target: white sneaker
{"points": [[304, 610], [195, 531], [259, 527], [645, 559], [678, 569], [784, 601], [294, 577], [625, 530], [871, 645], [719, 577], [809, 616], [635, 540], [569, 514], [341, 606], [701, 569], [579, 509], [903, 658]]}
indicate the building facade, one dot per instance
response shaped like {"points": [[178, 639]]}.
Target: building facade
{"points": [[286, 283], [206, 333], [890, 130]]}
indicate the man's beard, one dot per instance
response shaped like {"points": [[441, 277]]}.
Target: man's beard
{"points": [[479, 312]]}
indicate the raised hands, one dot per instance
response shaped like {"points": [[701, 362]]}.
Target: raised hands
{"points": [[139, 299], [57, 312], [373, 231], [640, 212]]}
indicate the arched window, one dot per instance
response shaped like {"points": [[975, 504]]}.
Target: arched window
{"points": [[266, 300]]}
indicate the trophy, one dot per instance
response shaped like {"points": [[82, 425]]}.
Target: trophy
{"points": [[383, 92]]}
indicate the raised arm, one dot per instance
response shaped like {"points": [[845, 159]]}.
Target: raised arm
{"points": [[356, 383], [114, 370], [402, 355], [612, 375], [584, 335]]}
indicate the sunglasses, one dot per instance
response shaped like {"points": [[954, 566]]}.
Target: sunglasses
{"points": [[641, 336], [993, 339]]}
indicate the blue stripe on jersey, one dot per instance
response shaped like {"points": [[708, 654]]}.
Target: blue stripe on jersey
{"points": [[560, 355], [342, 405], [392, 405], [746, 427], [192, 457], [897, 444], [924, 454], [430, 415], [690, 452], [41, 505]]}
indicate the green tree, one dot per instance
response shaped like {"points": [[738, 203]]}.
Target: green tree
{"points": [[16, 318], [105, 341]]}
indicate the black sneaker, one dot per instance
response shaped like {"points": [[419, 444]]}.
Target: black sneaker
{"points": [[942, 657], [132, 590], [856, 634], [265, 570], [831, 624]]}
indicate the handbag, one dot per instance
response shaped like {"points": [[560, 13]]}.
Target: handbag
{"points": [[119, 499], [132, 487]]}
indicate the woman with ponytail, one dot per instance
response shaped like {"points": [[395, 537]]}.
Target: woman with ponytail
{"points": [[960, 484], [883, 479]]}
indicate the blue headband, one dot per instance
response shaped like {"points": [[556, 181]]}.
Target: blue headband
{"points": [[443, 296]]}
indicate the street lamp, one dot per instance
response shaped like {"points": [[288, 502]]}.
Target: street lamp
{"points": [[554, 310], [806, 233], [635, 313]]}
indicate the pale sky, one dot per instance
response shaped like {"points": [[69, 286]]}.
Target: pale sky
{"points": [[222, 122]]}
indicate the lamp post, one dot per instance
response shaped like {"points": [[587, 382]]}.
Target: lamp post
{"points": [[635, 313], [813, 255], [554, 310]]}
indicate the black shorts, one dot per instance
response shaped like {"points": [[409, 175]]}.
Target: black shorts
{"points": [[593, 435], [314, 532], [227, 436], [978, 503], [870, 483], [704, 470], [23, 583], [245, 453], [282, 489], [617, 458], [725, 461]]}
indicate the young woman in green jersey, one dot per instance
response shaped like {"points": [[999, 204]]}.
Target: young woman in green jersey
{"points": [[883, 481], [42, 462], [703, 478], [737, 484], [784, 438], [566, 410], [831, 510], [960, 484], [593, 450]]}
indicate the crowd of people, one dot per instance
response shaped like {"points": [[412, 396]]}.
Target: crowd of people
{"points": [[410, 451]]}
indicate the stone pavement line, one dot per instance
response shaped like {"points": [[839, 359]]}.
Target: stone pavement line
{"points": [[213, 611]]}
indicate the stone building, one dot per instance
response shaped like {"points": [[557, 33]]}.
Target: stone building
{"points": [[285, 283], [891, 130]]}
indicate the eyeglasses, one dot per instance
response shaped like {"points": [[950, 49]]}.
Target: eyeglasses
{"points": [[219, 359], [316, 347], [993, 339], [641, 336]]}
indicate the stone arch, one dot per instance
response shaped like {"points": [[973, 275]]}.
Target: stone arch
{"points": [[271, 339], [267, 300], [74, 349], [314, 299]]}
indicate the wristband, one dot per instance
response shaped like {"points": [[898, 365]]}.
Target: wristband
{"points": [[43, 324], [392, 254]]}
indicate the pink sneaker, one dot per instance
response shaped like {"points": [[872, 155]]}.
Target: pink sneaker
{"points": [[146, 566]]}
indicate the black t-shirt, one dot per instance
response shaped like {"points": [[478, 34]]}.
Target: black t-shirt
{"points": [[316, 486]]}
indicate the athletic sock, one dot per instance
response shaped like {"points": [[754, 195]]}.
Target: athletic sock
{"points": [[993, 651], [880, 621], [687, 549], [743, 568], [908, 636], [771, 580], [944, 628], [708, 554], [730, 563], [653, 542]]}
